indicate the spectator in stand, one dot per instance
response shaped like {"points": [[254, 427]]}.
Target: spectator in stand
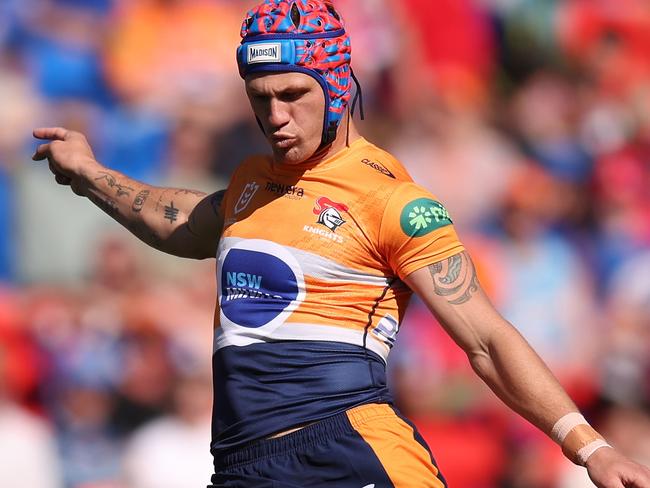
{"points": [[541, 107], [27, 447], [170, 452]]}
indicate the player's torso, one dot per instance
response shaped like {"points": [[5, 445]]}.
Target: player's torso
{"points": [[307, 309], [299, 255]]}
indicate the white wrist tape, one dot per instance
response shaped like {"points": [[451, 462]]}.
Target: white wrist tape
{"points": [[584, 453], [577, 438], [565, 425]]}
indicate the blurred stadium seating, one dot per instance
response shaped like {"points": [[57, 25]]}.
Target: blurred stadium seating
{"points": [[530, 119]]}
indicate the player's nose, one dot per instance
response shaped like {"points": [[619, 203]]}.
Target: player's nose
{"points": [[278, 114]]}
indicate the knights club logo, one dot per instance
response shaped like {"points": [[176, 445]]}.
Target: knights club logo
{"points": [[329, 213]]}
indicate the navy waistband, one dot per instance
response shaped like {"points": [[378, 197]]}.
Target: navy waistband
{"points": [[329, 428], [261, 389]]}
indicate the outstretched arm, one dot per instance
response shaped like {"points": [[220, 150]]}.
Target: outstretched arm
{"points": [[185, 223], [512, 369]]}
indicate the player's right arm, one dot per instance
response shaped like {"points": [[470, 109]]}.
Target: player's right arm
{"points": [[185, 223]]}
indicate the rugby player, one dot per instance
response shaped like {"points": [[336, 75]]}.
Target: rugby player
{"points": [[318, 248]]}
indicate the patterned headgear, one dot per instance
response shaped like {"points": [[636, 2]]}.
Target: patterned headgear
{"points": [[305, 36]]}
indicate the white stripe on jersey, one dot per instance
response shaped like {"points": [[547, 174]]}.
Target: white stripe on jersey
{"points": [[291, 331]]}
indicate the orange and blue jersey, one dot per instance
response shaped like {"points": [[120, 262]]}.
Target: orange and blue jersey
{"points": [[310, 271]]}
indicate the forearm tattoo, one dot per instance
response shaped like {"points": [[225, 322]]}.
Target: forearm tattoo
{"points": [[455, 278], [190, 192], [171, 213], [121, 190], [158, 203], [139, 201]]}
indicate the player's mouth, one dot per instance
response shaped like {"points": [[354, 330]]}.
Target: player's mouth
{"points": [[283, 141]]}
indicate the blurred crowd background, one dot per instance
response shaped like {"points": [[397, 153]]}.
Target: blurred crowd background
{"points": [[529, 119]]}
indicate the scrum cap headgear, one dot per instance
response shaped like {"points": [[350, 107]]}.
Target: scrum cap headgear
{"points": [[305, 36]]}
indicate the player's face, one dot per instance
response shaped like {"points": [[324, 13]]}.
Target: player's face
{"points": [[291, 108]]}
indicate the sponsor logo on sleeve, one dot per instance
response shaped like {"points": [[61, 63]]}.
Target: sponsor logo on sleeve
{"points": [[378, 167], [246, 196], [422, 216], [270, 52]]}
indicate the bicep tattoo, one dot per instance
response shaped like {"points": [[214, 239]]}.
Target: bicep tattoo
{"points": [[455, 278]]}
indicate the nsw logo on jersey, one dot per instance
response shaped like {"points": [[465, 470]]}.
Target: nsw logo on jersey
{"points": [[422, 216], [329, 213], [260, 284], [246, 196]]}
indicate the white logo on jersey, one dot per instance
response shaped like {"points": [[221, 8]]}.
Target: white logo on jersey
{"points": [[329, 213], [323, 233], [387, 329], [331, 218], [246, 196]]}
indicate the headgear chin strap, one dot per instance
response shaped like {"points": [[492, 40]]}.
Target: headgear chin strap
{"points": [[303, 36]]}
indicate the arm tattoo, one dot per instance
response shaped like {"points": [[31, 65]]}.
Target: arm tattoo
{"points": [[140, 198], [455, 278], [216, 200], [160, 199], [138, 229], [112, 183], [171, 213], [190, 192]]}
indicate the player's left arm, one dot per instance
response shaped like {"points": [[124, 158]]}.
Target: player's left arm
{"points": [[514, 371]]}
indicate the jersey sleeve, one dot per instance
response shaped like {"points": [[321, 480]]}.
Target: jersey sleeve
{"points": [[416, 230]]}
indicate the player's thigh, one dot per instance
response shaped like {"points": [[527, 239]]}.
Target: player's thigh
{"points": [[398, 446]]}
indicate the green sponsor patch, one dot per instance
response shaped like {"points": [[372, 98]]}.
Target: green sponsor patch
{"points": [[422, 216]]}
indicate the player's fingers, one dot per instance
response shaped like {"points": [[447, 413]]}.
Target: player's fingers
{"points": [[611, 481], [642, 480], [615, 483], [57, 133], [41, 152]]}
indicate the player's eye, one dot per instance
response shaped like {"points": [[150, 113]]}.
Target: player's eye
{"points": [[259, 98], [292, 96]]}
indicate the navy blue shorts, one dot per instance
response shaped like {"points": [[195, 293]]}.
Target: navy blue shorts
{"points": [[370, 446]]}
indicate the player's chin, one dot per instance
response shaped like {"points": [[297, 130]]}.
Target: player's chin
{"points": [[289, 155]]}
